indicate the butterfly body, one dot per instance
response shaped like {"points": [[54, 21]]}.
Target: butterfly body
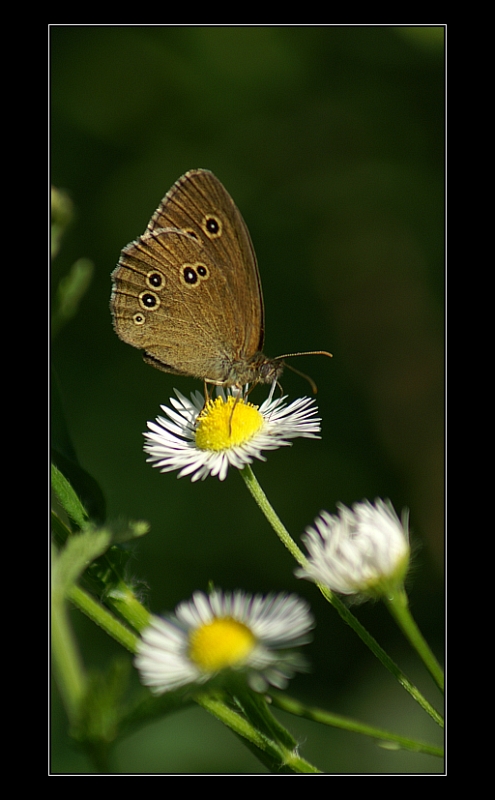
{"points": [[188, 291]]}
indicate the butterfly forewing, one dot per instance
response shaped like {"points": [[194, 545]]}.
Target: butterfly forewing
{"points": [[195, 203], [188, 292]]}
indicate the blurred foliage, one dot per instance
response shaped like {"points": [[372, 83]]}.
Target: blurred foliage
{"points": [[331, 141]]}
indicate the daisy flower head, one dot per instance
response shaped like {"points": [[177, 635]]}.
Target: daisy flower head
{"points": [[361, 551], [201, 440], [225, 633]]}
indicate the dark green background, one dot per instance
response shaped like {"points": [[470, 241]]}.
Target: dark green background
{"points": [[331, 142]]}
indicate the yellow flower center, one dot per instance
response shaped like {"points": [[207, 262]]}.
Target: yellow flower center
{"points": [[219, 644], [225, 423]]}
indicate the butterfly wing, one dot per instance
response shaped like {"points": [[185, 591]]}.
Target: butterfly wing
{"points": [[188, 291], [199, 204]]}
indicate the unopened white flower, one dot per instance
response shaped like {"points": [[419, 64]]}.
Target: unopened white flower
{"points": [[218, 632], [361, 551], [199, 440]]}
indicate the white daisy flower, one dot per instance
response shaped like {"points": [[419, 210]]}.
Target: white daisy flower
{"points": [[363, 551], [223, 632], [201, 440]]}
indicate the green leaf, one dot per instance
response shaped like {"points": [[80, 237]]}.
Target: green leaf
{"points": [[80, 550], [68, 498]]}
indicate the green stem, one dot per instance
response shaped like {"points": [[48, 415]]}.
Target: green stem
{"points": [[274, 755], [262, 501], [67, 664], [398, 605], [102, 616], [296, 708], [284, 536], [258, 712], [123, 600], [382, 656]]}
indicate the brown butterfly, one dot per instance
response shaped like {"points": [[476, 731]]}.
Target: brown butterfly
{"points": [[188, 291]]}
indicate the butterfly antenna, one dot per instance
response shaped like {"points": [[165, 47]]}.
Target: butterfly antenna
{"points": [[303, 374]]}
